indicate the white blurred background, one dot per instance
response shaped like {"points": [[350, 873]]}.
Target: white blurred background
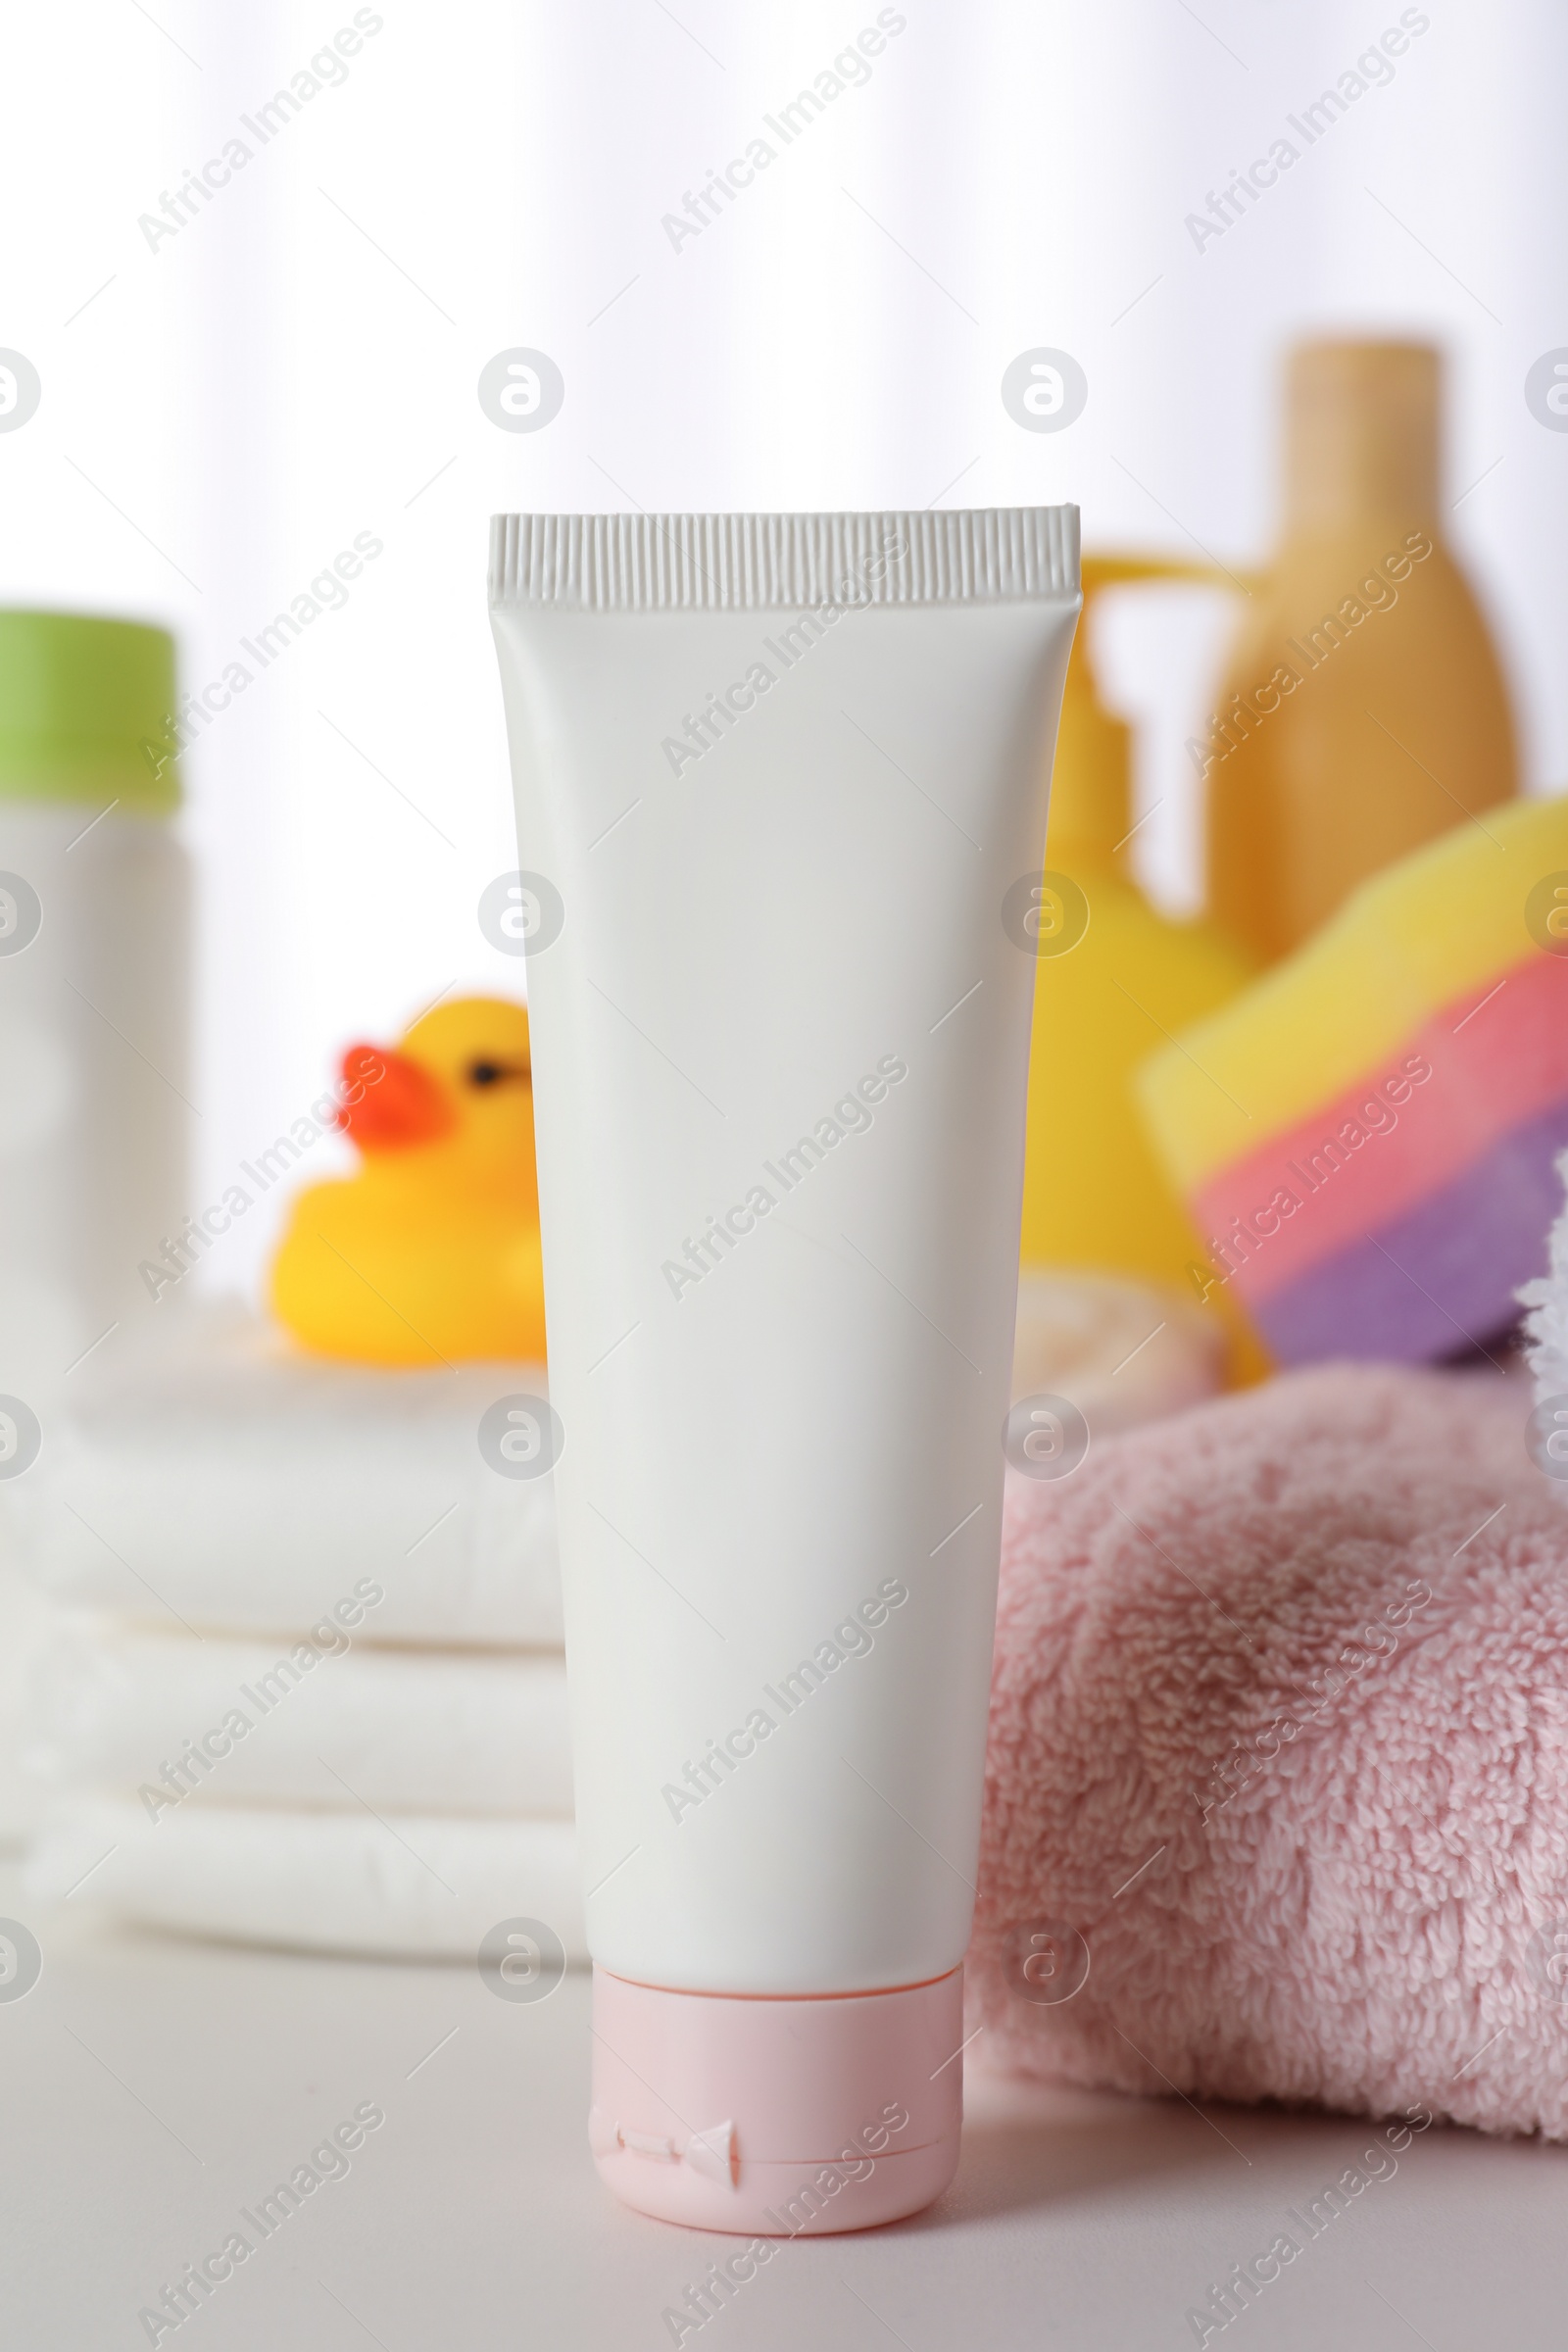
{"points": [[227, 407]]}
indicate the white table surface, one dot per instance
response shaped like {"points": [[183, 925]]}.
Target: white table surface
{"points": [[150, 2087]]}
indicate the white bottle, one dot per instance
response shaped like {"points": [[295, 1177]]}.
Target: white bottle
{"points": [[95, 1114]]}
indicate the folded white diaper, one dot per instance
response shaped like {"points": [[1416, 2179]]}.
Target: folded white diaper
{"points": [[220, 1478], [309, 1722], [416, 1885]]}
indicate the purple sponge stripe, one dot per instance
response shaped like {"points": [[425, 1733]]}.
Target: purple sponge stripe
{"points": [[1440, 1276]]}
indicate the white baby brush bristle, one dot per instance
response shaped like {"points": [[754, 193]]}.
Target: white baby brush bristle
{"points": [[1546, 1297]]}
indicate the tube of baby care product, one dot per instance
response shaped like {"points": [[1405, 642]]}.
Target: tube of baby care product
{"points": [[781, 787]]}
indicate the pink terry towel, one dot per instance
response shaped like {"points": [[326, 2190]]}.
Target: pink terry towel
{"points": [[1277, 1786]]}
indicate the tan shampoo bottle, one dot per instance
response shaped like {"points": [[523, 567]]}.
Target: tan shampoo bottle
{"points": [[1363, 708]]}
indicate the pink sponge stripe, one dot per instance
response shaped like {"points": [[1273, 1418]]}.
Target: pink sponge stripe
{"points": [[1492, 1061], [1277, 1783]]}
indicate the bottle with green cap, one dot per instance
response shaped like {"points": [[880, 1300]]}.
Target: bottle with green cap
{"points": [[95, 993]]}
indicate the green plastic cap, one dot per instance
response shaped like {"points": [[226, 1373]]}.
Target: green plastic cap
{"points": [[87, 712]]}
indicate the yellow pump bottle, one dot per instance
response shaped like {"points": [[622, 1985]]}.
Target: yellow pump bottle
{"points": [[1105, 998], [1363, 709]]}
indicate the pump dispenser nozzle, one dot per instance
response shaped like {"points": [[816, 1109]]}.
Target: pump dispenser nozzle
{"points": [[1090, 784], [1093, 1196]]}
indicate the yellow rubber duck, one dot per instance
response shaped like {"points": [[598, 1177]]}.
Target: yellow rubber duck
{"points": [[429, 1253]]}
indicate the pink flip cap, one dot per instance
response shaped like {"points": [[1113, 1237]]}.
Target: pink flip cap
{"points": [[777, 2116]]}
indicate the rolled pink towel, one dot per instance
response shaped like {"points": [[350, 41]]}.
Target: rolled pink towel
{"points": [[1277, 1786]]}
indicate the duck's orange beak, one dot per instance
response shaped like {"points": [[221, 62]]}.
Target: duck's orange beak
{"points": [[390, 1101]]}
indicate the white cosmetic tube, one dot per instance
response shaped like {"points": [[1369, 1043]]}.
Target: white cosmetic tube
{"points": [[781, 787]]}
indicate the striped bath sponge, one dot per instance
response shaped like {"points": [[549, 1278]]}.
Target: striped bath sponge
{"points": [[1365, 1136]]}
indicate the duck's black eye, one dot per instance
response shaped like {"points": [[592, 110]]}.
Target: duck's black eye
{"points": [[492, 1073]]}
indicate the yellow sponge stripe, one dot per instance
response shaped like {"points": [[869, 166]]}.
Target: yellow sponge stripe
{"points": [[1437, 926]]}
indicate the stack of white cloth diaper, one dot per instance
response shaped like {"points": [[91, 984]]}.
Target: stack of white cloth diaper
{"points": [[306, 1686]]}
